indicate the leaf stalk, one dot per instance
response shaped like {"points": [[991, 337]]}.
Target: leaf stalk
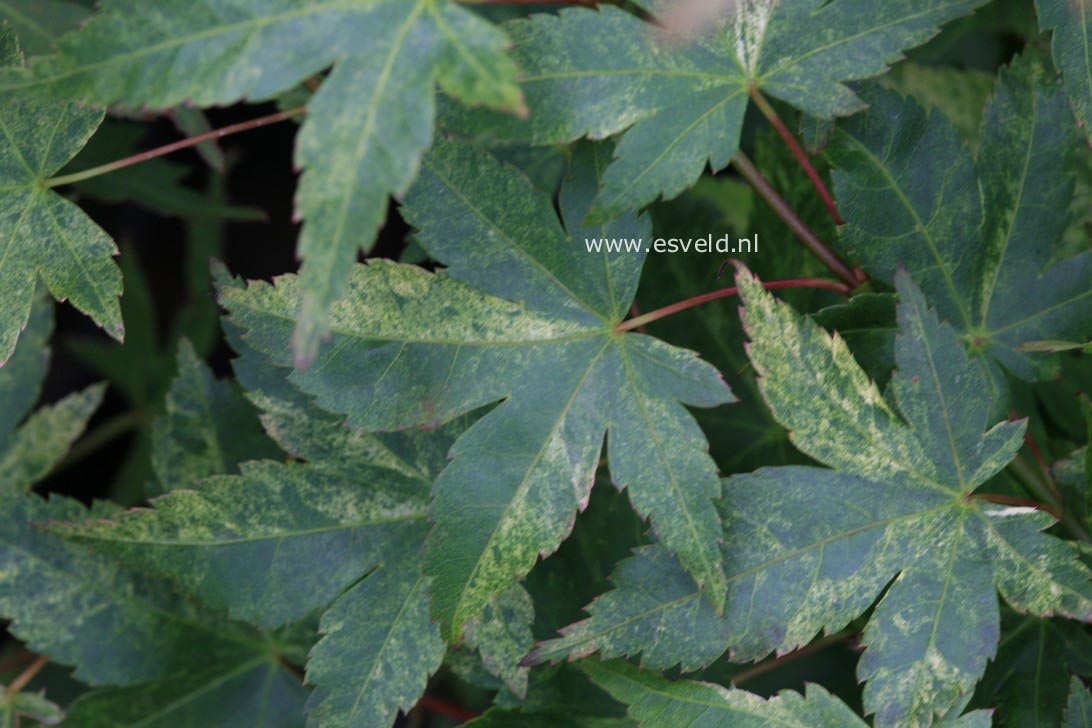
{"points": [[781, 208], [174, 147], [771, 115], [27, 675], [823, 283]]}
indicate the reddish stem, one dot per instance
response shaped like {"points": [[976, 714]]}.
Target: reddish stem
{"points": [[770, 113], [819, 644], [746, 167], [439, 706], [1041, 462], [660, 313], [174, 147], [1011, 500], [27, 675]]}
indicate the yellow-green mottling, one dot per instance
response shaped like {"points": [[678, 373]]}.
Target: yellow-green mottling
{"points": [[524, 314], [809, 549], [968, 229], [41, 233], [681, 105], [366, 127]]}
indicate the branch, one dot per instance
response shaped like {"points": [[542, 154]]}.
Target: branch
{"points": [[27, 675], [169, 148], [439, 706], [746, 167], [775, 121], [660, 313], [819, 644]]}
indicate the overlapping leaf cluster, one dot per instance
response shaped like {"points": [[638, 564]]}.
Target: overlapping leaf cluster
{"points": [[421, 470]]}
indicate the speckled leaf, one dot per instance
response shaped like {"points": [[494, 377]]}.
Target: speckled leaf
{"points": [[41, 233], [252, 689], [656, 702], [280, 541], [367, 125], [208, 428], [417, 348], [28, 451], [21, 376], [1071, 21], [378, 648], [809, 549], [682, 104], [261, 544], [81, 610], [502, 635], [1078, 710], [44, 438], [966, 229]]}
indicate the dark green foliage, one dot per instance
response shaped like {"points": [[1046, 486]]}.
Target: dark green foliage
{"points": [[505, 474]]}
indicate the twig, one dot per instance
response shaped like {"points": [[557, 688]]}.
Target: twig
{"points": [[1030, 478], [442, 707], [660, 313], [775, 121], [819, 644], [174, 147], [1044, 470], [27, 675], [746, 167]]}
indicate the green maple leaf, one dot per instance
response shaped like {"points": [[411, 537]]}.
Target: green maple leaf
{"points": [[38, 23], [521, 296], [113, 626], [366, 127], [1078, 710], [656, 702], [208, 427], [972, 232], [1028, 681], [250, 686], [29, 449], [682, 105], [1071, 21], [41, 233], [502, 636], [809, 549], [279, 542], [81, 609]]}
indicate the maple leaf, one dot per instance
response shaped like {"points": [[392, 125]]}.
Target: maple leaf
{"points": [[366, 126], [29, 449], [1071, 21], [42, 233], [1078, 710], [809, 549], [681, 105], [208, 427], [1028, 681], [969, 230], [247, 543], [654, 701], [521, 294], [38, 23]]}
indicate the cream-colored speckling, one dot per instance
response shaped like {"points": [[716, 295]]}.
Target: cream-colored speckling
{"points": [[1009, 511], [751, 18]]}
